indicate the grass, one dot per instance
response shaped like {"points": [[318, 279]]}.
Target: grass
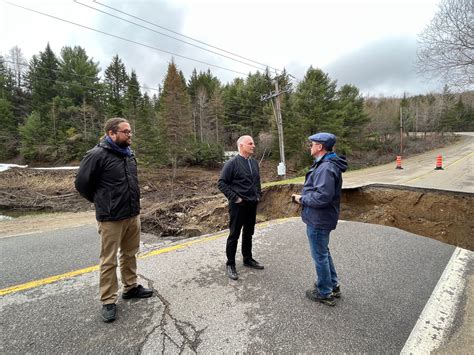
{"points": [[296, 180]]}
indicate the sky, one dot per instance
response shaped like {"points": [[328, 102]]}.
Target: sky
{"points": [[370, 44]]}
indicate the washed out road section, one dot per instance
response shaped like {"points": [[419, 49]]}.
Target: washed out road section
{"points": [[387, 276]]}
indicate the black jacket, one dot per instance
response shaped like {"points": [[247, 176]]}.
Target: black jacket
{"points": [[237, 179], [109, 179]]}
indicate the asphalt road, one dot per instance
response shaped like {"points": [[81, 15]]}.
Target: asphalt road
{"points": [[387, 277], [40, 255]]}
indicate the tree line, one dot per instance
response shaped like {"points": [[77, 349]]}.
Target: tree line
{"points": [[52, 109]]}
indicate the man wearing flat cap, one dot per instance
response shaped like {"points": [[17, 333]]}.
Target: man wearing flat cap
{"points": [[320, 200]]}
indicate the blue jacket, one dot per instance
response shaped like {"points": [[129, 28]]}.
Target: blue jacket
{"points": [[321, 194]]}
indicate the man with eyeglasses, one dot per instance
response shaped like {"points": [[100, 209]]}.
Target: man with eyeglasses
{"points": [[320, 199], [108, 177]]}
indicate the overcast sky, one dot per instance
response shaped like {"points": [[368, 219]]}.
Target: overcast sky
{"points": [[370, 44]]}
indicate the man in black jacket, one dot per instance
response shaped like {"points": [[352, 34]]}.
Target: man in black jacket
{"points": [[240, 183], [108, 178]]}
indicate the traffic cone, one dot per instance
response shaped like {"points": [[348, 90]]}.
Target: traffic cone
{"points": [[439, 162], [399, 162]]}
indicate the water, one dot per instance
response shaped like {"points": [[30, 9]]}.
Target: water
{"points": [[6, 215]]}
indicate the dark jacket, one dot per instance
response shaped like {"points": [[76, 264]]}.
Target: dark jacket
{"points": [[321, 194], [109, 179], [238, 179]]}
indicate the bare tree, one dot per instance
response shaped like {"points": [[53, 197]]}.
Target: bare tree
{"points": [[17, 63], [446, 46]]}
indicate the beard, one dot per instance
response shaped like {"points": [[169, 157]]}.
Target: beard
{"points": [[123, 144]]}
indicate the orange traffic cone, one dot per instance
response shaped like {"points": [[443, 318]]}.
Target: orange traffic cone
{"points": [[439, 162], [399, 162]]}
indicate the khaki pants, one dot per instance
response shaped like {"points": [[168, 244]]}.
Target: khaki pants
{"points": [[115, 235]]}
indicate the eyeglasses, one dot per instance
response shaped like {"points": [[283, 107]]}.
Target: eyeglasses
{"points": [[127, 132]]}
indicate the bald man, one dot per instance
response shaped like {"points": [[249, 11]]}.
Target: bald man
{"points": [[240, 183]]}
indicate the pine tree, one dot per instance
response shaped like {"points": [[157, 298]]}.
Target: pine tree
{"points": [[8, 139], [32, 138], [313, 108], [146, 140], [175, 113], [132, 99], [42, 76], [6, 80], [116, 80], [448, 119], [78, 75], [350, 118]]}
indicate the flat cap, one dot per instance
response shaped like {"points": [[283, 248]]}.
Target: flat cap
{"points": [[326, 139]]}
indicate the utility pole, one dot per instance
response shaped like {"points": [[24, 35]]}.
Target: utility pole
{"points": [[275, 95], [401, 131]]}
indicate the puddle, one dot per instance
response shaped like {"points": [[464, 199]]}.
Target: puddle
{"points": [[11, 214]]}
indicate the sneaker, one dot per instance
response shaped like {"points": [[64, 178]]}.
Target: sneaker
{"points": [[254, 264], [109, 312], [336, 291], [315, 296], [137, 292], [231, 272]]}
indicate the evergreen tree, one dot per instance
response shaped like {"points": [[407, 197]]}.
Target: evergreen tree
{"points": [[175, 114], [132, 99], [8, 139], [78, 75], [314, 109], [6, 80], [115, 80], [32, 138], [448, 120], [43, 74], [350, 118], [146, 142]]}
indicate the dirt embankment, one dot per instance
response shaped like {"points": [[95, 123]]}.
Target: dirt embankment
{"points": [[192, 205], [446, 216]]}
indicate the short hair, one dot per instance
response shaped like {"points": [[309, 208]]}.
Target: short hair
{"points": [[112, 124], [241, 139]]}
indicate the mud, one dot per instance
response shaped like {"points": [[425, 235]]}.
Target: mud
{"points": [[191, 205], [443, 215]]}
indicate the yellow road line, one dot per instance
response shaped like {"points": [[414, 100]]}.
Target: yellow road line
{"points": [[67, 275], [447, 166], [48, 280]]}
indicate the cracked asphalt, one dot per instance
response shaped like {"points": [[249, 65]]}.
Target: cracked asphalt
{"points": [[387, 276]]}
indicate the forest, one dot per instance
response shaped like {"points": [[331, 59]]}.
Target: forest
{"points": [[53, 106]]}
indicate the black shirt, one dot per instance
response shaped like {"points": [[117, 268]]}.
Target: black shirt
{"points": [[240, 177]]}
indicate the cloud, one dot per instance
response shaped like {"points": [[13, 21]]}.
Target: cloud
{"points": [[384, 67], [151, 65]]}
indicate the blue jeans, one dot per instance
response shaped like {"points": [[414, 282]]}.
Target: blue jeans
{"points": [[319, 245]]}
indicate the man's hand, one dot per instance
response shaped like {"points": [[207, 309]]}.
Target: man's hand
{"points": [[238, 200], [295, 198]]}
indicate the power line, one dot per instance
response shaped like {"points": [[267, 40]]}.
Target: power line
{"points": [[97, 80], [126, 39], [166, 35], [180, 34], [82, 76]]}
